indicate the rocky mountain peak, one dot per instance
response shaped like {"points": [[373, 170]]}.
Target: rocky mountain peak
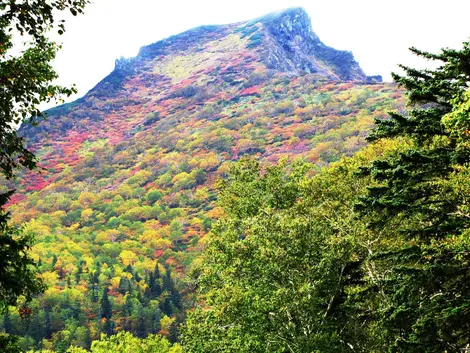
{"points": [[292, 20], [294, 47]]}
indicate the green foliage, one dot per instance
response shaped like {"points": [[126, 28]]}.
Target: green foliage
{"points": [[124, 342], [17, 271], [371, 255], [26, 78], [419, 200], [281, 265], [9, 344]]}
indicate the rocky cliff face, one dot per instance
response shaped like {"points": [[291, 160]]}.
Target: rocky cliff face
{"points": [[294, 47]]}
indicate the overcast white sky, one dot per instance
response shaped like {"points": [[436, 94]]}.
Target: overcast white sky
{"points": [[378, 32]]}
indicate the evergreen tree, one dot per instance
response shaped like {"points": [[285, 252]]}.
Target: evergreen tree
{"points": [[167, 281], [36, 329], [7, 327], [151, 284], [419, 201], [128, 304], [47, 323], [79, 272], [105, 305], [166, 306], [108, 327], [93, 283], [157, 288], [154, 288], [173, 332], [124, 286], [129, 269], [156, 321], [176, 298], [156, 272], [412, 184], [141, 331]]}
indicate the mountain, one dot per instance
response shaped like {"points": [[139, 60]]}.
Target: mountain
{"points": [[237, 54], [128, 189]]}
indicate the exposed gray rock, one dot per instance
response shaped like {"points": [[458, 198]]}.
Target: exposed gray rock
{"points": [[294, 47]]}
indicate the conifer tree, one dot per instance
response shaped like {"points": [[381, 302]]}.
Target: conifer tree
{"points": [[47, 323], [156, 289], [141, 331], [7, 322], [167, 281], [417, 203], [166, 306], [124, 286], [105, 305], [156, 321]]}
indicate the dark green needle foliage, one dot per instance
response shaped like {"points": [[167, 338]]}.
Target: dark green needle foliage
{"points": [[413, 183], [420, 202]]}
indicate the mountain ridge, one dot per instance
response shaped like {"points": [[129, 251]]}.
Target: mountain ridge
{"points": [[291, 48]]}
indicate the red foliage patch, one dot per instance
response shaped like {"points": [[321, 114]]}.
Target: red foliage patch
{"points": [[250, 91]]}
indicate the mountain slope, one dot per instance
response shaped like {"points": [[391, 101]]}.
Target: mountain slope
{"points": [[128, 191]]}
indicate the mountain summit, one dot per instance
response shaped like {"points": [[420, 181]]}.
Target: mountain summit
{"points": [[209, 58], [281, 41], [292, 46]]}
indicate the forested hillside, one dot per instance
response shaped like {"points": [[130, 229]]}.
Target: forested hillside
{"points": [[127, 189]]}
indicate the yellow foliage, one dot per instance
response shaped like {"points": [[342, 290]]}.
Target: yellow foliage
{"points": [[149, 235], [88, 261], [50, 278], [215, 213], [37, 228], [146, 265], [115, 282], [224, 168], [181, 177], [58, 214], [86, 213], [128, 257], [165, 323], [87, 198], [162, 244], [209, 161], [109, 235], [152, 224], [74, 226], [164, 232], [201, 194]]}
